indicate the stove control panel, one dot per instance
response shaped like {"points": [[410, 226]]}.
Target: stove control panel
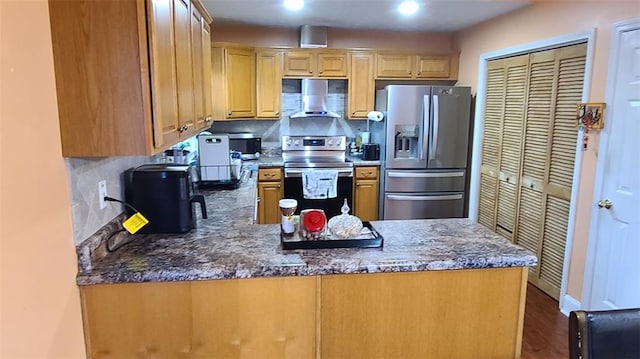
{"points": [[314, 143]]}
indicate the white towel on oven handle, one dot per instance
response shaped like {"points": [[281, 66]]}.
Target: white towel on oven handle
{"points": [[319, 184]]}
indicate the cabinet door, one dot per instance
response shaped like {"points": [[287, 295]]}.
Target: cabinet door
{"points": [[163, 73], [241, 75], [299, 64], [433, 66], [366, 199], [255, 318], [269, 193], [198, 66], [207, 74], [361, 85], [395, 65], [268, 84], [332, 64], [186, 110]]}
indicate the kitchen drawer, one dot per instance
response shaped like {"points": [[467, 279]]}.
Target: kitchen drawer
{"points": [[270, 174], [366, 172]]}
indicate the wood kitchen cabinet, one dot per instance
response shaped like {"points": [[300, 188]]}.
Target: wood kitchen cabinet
{"points": [[366, 193], [270, 192], [201, 49], [124, 75], [266, 317], [361, 94], [268, 83], [411, 66], [234, 74], [472, 313], [315, 63]]}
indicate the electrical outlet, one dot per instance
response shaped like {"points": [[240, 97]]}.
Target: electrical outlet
{"points": [[102, 192]]}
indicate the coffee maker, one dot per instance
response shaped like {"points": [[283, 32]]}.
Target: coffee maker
{"points": [[163, 193]]}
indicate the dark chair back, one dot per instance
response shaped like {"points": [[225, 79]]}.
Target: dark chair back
{"points": [[604, 334]]}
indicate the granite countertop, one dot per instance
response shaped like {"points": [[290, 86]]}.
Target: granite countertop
{"points": [[228, 245]]}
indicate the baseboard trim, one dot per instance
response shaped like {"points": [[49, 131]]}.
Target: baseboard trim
{"points": [[568, 304]]}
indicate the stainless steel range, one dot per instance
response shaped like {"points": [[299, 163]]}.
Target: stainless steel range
{"points": [[304, 154]]}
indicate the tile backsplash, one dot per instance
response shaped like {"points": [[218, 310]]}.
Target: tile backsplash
{"points": [[84, 174]]}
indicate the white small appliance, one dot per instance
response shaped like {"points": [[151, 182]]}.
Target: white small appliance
{"points": [[213, 151]]}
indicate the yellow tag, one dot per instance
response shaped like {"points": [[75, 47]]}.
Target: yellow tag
{"points": [[135, 222]]}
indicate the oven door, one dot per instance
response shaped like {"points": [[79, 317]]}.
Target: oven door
{"points": [[330, 206]]}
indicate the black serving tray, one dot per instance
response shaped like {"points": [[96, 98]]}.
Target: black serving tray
{"points": [[370, 238]]}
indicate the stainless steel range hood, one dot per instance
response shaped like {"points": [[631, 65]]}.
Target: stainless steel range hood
{"points": [[314, 99]]}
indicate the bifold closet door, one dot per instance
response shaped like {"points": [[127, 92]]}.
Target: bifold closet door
{"points": [[502, 142], [550, 135]]}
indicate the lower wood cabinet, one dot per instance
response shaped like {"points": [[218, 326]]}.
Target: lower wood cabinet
{"points": [[249, 318], [366, 186], [476, 313], [270, 192]]}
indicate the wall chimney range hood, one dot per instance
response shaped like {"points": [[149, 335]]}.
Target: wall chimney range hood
{"points": [[314, 99]]}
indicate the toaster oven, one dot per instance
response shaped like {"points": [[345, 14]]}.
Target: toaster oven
{"points": [[249, 145]]}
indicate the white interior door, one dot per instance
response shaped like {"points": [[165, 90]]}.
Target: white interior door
{"points": [[616, 251]]}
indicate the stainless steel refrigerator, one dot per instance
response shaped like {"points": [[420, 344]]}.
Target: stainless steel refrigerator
{"points": [[425, 147]]}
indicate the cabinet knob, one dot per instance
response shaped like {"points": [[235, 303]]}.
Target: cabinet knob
{"points": [[320, 71], [277, 113], [409, 72], [230, 113], [207, 119], [310, 71], [353, 113], [419, 73]]}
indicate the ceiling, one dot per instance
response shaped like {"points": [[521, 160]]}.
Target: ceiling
{"points": [[433, 15]]}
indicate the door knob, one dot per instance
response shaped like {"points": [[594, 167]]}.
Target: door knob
{"points": [[606, 204]]}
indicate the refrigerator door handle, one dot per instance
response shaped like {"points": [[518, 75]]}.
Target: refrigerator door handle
{"points": [[424, 174], [433, 144], [424, 198], [425, 126]]}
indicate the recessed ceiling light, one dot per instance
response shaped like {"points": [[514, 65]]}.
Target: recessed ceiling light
{"points": [[294, 4], [409, 7]]}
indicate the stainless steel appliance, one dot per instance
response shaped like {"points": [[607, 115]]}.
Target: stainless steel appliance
{"points": [[248, 144], [303, 153], [425, 155], [163, 193]]}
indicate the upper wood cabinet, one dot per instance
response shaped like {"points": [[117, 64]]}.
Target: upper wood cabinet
{"points": [[268, 83], [124, 75], [315, 63], [361, 85], [411, 66], [234, 78]]}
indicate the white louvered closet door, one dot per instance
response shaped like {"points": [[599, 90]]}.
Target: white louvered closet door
{"points": [[528, 153], [504, 112]]}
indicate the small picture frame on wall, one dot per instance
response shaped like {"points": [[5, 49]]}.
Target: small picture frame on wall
{"points": [[591, 115]]}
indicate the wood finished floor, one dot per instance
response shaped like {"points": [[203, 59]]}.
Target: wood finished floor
{"points": [[545, 334]]}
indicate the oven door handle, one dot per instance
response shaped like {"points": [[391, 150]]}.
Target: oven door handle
{"points": [[342, 172]]}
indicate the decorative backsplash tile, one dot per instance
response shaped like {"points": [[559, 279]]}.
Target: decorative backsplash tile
{"points": [[84, 175]]}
